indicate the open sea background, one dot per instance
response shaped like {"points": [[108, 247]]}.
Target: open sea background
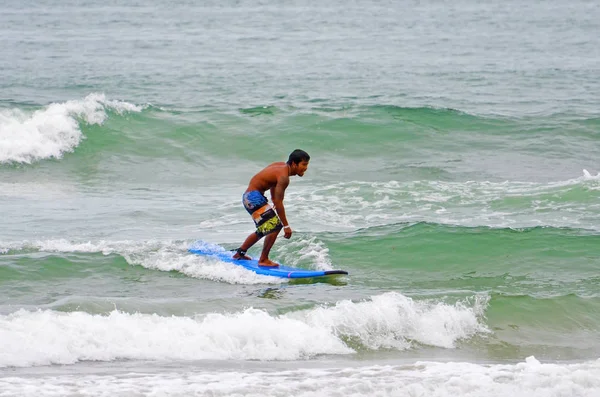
{"points": [[455, 174]]}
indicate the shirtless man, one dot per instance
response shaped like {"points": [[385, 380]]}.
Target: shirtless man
{"points": [[269, 221]]}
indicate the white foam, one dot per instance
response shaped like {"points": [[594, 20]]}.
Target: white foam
{"points": [[587, 176], [529, 378], [49, 337], [347, 206], [154, 254], [390, 320], [197, 266], [174, 256], [54, 130], [304, 250]]}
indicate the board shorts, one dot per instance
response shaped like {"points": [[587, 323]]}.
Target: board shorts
{"points": [[264, 216]]}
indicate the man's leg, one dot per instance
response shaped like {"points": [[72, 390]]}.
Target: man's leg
{"points": [[249, 242], [264, 256]]}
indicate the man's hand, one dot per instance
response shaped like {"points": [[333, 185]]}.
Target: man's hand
{"points": [[287, 232]]}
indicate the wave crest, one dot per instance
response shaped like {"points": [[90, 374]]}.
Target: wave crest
{"points": [[54, 130]]}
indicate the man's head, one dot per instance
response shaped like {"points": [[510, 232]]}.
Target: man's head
{"points": [[298, 162]]}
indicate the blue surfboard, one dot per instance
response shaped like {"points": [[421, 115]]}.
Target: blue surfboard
{"points": [[216, 251]]}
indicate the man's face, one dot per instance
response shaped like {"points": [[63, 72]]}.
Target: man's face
{"points": [[301, 168]]}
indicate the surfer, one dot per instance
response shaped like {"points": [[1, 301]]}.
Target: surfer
{"points": [[270, 220]]}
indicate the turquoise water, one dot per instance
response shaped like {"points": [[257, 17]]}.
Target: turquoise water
{"points": [[454, 174]]}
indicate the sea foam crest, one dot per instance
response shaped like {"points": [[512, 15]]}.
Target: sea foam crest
{"points": [[54, 130], [390, 320], [588, 176], [50, 337]]}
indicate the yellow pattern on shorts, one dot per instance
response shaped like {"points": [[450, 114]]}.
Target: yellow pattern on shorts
{"points": [[269, 226]]}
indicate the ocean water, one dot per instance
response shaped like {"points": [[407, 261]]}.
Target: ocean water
{"points": [[454, 174]]}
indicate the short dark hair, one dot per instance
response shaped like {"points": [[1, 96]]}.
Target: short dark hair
{"points": [[297, 156]]}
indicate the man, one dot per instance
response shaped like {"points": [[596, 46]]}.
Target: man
{"points": [[269, 221]]}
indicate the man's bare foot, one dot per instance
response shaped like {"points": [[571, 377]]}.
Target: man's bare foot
{"points": [[268, 263], [241, 257]]}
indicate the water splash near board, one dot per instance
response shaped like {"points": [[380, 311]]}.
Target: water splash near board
{"points": [[204, 248]]}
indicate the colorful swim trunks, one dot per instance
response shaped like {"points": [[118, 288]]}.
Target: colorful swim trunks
{"points": [[264, 216]]}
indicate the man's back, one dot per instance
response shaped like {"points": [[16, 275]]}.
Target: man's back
{"points": [[268, 177]]}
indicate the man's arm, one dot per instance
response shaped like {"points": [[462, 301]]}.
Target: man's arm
{"points": [[277, 194]]}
